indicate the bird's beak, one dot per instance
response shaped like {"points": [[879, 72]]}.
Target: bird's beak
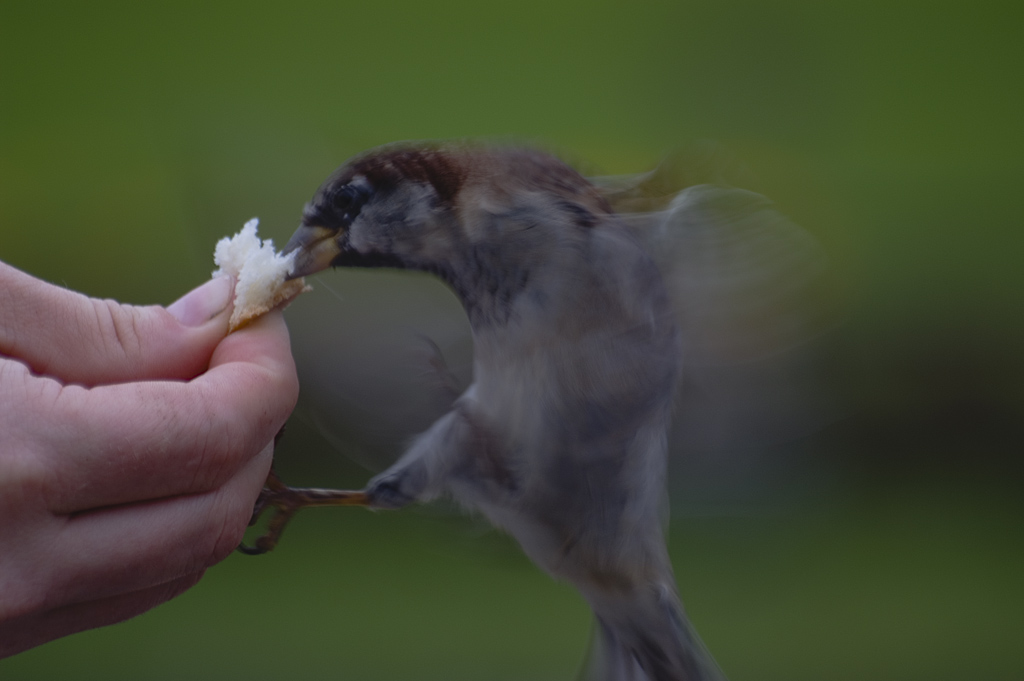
{"points": [[315, 247]]}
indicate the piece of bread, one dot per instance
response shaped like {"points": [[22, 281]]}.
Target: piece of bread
{"points": [[259, 273]]}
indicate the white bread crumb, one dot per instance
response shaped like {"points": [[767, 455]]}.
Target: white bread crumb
{"points": [[259, 273]]}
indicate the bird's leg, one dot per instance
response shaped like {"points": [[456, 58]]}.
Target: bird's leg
{"points": [[286, 501], [412, 478]]}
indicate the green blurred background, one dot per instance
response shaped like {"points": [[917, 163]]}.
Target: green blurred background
{"points": [[133, 135]]}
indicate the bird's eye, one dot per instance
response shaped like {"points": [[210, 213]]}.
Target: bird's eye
{"points": [[348, 199], [339, 200], [343, 197]]}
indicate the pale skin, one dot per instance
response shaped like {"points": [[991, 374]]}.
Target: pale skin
{"points": [[134, 442]]}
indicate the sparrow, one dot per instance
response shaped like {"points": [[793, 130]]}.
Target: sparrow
{"points": [[561, 439]]}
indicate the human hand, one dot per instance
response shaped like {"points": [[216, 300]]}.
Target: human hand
{"points": [[133, 444]]}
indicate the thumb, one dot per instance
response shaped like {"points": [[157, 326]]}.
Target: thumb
{"points": [[77, 339]]}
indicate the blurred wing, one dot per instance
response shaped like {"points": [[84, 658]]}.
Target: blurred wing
{"points": [[746, 282], [702, 163], [753, 295]]}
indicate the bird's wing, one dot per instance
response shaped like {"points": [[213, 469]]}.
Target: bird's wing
{"points": [[701, 163], [746, 282], [753, 293]]}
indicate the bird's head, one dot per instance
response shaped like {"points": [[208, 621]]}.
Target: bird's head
{"points": [[485, 219], [409, 205], [388, 208]]}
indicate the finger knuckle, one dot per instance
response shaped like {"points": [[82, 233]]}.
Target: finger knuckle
{"points": [[118, 328], [26, 482], [272, 401], [232, 428], [219, 449], [28, 477]]}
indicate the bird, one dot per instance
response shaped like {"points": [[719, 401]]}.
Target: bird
{"points": [[560, 440]]}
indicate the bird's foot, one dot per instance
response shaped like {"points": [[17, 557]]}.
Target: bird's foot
{"points": [[286, 502]]}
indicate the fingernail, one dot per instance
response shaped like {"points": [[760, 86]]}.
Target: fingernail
{"points": [[202, 304]]}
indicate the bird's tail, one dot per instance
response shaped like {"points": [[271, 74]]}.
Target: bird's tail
{"points": [[647, 639]]}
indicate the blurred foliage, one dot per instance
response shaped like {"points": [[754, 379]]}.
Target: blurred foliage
{"points": [[133, 135]]}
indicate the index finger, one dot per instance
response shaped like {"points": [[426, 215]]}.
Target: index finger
{"points": [[129, 442], [78, 339]]}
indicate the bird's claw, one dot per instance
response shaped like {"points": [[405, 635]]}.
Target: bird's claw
{"points": [[286, 502]]}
